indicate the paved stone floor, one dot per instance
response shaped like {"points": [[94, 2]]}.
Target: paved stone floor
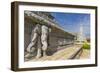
{"points": [[85, 54], [63, 54]]}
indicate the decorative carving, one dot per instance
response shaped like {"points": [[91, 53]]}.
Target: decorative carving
{"points": [[39, 38]]}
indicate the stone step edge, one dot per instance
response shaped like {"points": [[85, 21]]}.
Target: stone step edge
{"points": [[75, 54]]}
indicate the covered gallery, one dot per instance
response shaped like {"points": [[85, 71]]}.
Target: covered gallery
{"points": [[58, 37]]}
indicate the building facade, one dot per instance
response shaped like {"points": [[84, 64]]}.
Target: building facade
{"points": [[57, 36]]}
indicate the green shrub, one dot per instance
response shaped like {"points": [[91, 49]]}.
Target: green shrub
{"points": [[86, 46]]}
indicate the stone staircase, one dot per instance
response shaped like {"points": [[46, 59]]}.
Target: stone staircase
{"points": [[71, 52]]}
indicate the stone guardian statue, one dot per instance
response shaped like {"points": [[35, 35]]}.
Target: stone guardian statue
{"points": [[36, 36], [44, 38]]}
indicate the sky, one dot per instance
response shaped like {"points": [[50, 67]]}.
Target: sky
{"points": [[71, 22]]}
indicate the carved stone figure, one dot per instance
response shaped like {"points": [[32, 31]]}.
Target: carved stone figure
{"points": [[40, 37], [31, 47], [44, 38]]}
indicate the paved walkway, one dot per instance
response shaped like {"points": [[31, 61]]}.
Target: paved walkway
{"points": [[85, 54], [67, 53]]}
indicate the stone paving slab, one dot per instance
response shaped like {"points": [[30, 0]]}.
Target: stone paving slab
{"points": [[64, 54]]}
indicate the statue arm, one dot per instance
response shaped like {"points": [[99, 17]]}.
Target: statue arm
{"points": [[34, 37]]}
